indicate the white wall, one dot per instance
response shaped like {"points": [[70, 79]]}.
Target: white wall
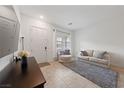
{"points": [[108, 34], [26, 23], [4, 61]]}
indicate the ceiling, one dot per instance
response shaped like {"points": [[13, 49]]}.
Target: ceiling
{"points": [[79, 15]]}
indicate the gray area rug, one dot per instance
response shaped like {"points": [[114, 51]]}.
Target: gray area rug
{"points": [[101, 76]]}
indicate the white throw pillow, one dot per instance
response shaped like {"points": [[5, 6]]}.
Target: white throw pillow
{"points": [[98, 54]]}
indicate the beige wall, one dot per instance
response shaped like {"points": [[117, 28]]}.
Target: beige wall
{"points": [[107, 34]]}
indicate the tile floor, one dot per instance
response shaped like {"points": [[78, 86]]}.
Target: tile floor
{"points": [[59, 76]]}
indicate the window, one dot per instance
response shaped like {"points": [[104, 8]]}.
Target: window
{"points": [[68, 43], [59, 39], [59, 42], [63, 42]]}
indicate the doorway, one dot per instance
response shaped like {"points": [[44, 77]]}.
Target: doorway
{"points": [[39, 43]]}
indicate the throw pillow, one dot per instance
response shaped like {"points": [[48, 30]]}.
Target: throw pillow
{"points": [[99, 54], [61, 53], [81, 54], [84, 53], [89, 52], [67, 52]]}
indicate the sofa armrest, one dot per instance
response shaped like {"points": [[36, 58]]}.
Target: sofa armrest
{"points": [[107, 57]]}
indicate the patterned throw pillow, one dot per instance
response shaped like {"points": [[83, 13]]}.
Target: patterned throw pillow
{"points": [[84, 53]]}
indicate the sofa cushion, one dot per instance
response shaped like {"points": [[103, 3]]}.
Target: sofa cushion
{"points": [[99, 54], [89, 52], [97, 60], [84, 57], [84, 53]]}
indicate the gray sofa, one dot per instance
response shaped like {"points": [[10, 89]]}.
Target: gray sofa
{"points": [[96, 57]]}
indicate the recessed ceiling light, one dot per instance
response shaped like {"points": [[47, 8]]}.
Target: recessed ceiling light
{"points": [[41, 17], [70, 23]]}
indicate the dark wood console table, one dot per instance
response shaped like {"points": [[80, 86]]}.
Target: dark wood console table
{"points": [[12, 76]]}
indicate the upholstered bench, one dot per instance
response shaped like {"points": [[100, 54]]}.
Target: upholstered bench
{"points": [[65, 58]]}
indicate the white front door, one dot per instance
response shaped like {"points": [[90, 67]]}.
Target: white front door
{"points": [[38, 43]]}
